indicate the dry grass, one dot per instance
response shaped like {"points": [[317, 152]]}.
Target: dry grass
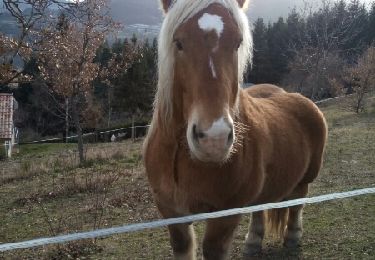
{"points": [[25, 170], [50, 195]]}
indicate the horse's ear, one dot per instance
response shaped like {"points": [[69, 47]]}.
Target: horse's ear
{"points": [[165, 4], [243, 3]]}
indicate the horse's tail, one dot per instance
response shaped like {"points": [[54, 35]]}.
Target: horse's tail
{"points": [[276, 221]]}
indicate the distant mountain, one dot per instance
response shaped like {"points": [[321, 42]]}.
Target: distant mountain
{"points": [[148, 12], [136, 11], [142, 17], [8, 25]]}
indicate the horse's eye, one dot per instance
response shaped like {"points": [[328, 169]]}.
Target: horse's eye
{"points": [[178, 45]]}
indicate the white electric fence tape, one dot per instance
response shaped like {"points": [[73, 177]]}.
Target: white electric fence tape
{"points": [[160, 223], [85, 135]]}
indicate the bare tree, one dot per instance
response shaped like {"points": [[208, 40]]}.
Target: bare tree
{"points": [[67, 51], [317, 48], [30, 15], [315, 73], [118, 64], [8, 47], [20, 46], [362, 76]]}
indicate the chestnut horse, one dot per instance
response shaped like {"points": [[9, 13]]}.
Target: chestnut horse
{"points": [[212, 145]]}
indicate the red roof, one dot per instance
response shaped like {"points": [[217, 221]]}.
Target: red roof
{"points": [[6, 116]]}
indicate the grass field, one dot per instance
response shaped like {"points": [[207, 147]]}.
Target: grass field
{"points": [[43, 192]]}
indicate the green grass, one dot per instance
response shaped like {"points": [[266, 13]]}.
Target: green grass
{"points": [[39, 150], [53, 195]]}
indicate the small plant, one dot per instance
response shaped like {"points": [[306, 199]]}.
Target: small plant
{"points": [[26, 170], [73, 250], [362, 77], [118, 155], [25, 166]]}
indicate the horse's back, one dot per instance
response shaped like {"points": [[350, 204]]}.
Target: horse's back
{"points": [[264, 90], [295, 134], [314, 125], [301, 108], [284, 104]]}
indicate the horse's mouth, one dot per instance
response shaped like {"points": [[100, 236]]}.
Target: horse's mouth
{"points": [[216, 156]]}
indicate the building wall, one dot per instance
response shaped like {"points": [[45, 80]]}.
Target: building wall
{"points": [[7, 130]]}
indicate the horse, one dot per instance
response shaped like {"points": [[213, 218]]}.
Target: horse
{"points": [[212, 145]]}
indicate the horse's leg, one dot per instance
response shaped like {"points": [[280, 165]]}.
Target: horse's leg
{"points": [[181, 236], [293, 233], [182, 240], [218, 237], [254, 237]]}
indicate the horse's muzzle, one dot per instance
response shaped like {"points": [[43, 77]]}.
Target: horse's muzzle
{"points": [[213, 144]]}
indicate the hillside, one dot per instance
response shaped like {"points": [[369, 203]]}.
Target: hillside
{"points": [[8, 25], [136, 11], [43, 193], [147, 12]]}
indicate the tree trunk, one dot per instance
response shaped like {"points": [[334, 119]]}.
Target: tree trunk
{"points": [[77, 124], [361, 92], [66, 120], [109, 104], [360, 95], [133, 129]]}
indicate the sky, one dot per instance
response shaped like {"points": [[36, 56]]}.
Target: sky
{"points": [[268, 9], [272, 9], [138, 11]]}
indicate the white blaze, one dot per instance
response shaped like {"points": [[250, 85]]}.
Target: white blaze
{"points": [[212, 22], [212, 67], [209, 22], [218, 128]]}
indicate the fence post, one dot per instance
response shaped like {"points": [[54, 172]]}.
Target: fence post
{"points": [[8, 148], [66, 120], [133, 129]]}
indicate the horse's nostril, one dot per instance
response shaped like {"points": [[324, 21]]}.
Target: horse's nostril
{"points": [[201, 135], [197, 134], [230, 136]]}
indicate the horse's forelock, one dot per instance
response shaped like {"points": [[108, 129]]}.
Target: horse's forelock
{"points": [[180, 12]]}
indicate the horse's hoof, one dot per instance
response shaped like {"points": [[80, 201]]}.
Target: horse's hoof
{"points": [[252, 250], [292, 243]]}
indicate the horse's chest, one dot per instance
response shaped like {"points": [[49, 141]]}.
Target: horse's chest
{"points": [[189, 186], [203, 187]]}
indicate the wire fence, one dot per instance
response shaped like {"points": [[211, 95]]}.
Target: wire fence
{"points": [[187, 219], [118, 130], [134, 128], [161, 223]]}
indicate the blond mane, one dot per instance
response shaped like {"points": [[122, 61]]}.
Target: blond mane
{"points": [[179, 12]]}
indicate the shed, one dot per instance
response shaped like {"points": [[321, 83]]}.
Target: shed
{"points": [[8, 132]]}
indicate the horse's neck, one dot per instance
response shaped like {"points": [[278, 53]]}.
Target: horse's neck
{"points": [[246, 107], [167, 132]]}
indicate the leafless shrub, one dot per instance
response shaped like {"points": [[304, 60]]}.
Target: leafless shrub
{"points": [[26, 170], [319, 48], [362, 78], [98, 184], [73, 250]]}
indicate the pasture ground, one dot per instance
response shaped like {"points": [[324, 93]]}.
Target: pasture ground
{"points": [[44, 192]]}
